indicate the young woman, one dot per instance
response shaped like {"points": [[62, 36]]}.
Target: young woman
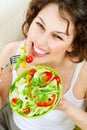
{"points": [[56, 36]]}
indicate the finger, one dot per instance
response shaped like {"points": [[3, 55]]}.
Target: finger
{"points": [[61, 101], [1, 68]]}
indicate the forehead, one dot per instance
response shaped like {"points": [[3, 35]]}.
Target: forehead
{"points": [[51, 15]]}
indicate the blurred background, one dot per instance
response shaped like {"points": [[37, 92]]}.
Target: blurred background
{"points": [[12, 14]]}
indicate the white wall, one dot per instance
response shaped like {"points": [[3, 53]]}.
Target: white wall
{"points": [[12, 14]]}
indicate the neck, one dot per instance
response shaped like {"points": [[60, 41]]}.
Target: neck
{"points": [[59, 63]]}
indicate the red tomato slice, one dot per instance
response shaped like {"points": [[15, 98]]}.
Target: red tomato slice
{"points": [[48, 76], [56, 78], [47, 103], [26, 111], [51, 101], [32, 71], [39, 104], [14, 100]]}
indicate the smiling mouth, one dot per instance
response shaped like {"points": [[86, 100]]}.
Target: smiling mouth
{"points": [[38, 52]]}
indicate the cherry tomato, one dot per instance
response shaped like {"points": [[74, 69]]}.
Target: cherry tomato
{"points": [[32, 71], [26, 111], [14, 100], [48, 76], [29, 59]]}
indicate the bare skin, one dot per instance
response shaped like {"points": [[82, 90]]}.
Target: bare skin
{"points": [[49, 50]]}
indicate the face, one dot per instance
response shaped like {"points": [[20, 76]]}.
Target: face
{"points": [[49, 36]]}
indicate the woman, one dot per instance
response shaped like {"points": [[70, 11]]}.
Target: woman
{"points": [[56, 36]]}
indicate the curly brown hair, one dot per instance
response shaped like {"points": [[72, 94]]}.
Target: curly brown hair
{"points": [[77, 9]]}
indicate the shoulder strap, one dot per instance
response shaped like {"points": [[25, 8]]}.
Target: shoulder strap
{"points": [[76, 73]]}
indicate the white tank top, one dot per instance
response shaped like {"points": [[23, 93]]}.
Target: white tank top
{"points": [[55, 120]]}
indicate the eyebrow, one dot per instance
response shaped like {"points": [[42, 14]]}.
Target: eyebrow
{"points": [[65, 33], [41, 20]]}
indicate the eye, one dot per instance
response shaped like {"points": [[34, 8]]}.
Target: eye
{"points": [[40, 25], [57, 36]]}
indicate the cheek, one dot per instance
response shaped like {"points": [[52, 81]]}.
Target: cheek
{"points": [[34, 31], [59, 48], [31, 32]]}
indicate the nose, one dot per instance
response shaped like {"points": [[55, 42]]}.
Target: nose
{"points": [[43, 39]]}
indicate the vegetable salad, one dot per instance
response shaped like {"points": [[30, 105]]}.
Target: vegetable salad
{"points": [[35, 92]]}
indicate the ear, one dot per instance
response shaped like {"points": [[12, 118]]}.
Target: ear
{"points": [[69, 49]]}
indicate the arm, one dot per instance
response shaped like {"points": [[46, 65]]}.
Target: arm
{"points": [[5, 75], [78, 116]]}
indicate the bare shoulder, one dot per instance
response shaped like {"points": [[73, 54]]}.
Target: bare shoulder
{"points": [[84, 76], [9, 50], [84, 70]]}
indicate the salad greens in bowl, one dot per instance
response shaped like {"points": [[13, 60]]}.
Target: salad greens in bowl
{"points": [[35, 92]]}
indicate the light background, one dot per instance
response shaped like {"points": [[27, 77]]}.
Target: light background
{"points": [[12, 14]]}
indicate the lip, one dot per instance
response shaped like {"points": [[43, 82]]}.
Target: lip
{"points": [[36, 53]]}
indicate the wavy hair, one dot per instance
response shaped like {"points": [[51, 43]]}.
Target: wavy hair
{"points": [[77, 10]]}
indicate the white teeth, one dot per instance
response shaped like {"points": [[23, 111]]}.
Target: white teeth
{"points": [[38, 51]]}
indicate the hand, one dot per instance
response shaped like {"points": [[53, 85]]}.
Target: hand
{"points": [[77, 115], [1, 68], [64, 104], [0, 81], [0, 71], [0, 103]]}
